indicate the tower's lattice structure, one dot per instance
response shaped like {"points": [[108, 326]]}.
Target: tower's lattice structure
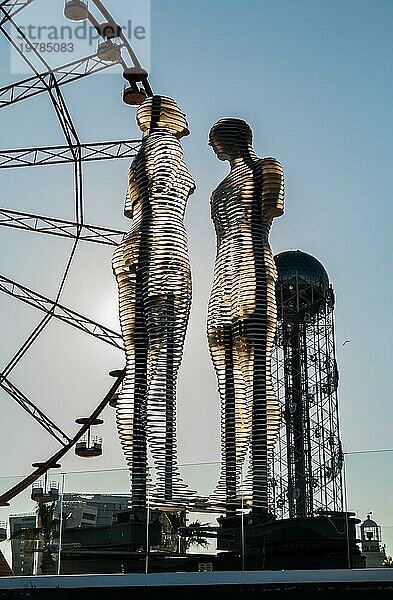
{"points": [[308, 458]]}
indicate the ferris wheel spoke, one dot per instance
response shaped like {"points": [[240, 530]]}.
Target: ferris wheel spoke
{"points": [[64, 117], [100, 235], [57, 227], [33, 410], [26, 345], [12, 7], [60, 312], [38, 84], [56, 155]]}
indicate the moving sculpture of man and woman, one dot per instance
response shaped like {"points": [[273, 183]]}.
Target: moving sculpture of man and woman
{"points": [[152, 270]]}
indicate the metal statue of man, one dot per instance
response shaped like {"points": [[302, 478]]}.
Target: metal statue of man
{"points": [[242, 312]]}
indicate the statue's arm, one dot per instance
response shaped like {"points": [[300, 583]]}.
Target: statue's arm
{"points": [[132, 192], [272, 188]]}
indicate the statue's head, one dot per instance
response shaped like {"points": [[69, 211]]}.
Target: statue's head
{"points": [[161, 112], [230, 138]]}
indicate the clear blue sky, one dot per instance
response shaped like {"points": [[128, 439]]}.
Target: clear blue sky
{"points": [[314, 80]]}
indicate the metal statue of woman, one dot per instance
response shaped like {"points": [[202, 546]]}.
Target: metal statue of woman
{"points": [[153, 274], [242, 311]]}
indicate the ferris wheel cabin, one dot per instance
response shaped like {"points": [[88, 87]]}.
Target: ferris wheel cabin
{"points": [[108, 51], [89, 446], [134, 95], [76, 10]]}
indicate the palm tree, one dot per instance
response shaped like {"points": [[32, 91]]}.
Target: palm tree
{"points": [[173, 521], [388, 562], [196, 538], [181, 535], [44, 535]]}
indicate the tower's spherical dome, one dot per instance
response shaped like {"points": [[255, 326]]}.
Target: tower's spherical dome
{"points": [[302, 285]]}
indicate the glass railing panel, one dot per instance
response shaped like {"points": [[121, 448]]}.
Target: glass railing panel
{"points": [[94, 504], [24, 510], [30, 526], [88, 522], [202, 518], [183, 521]]}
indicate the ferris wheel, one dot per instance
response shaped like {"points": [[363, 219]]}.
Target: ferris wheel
{"points": [[114, 50]]}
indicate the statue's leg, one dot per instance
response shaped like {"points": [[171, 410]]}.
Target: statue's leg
{"points": [[243, 358], [182, 306], [259, 434], [215, 335], [264, 414], [252, 360], [229, 418], [225, 357], [131, 405], [166, 318]]}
